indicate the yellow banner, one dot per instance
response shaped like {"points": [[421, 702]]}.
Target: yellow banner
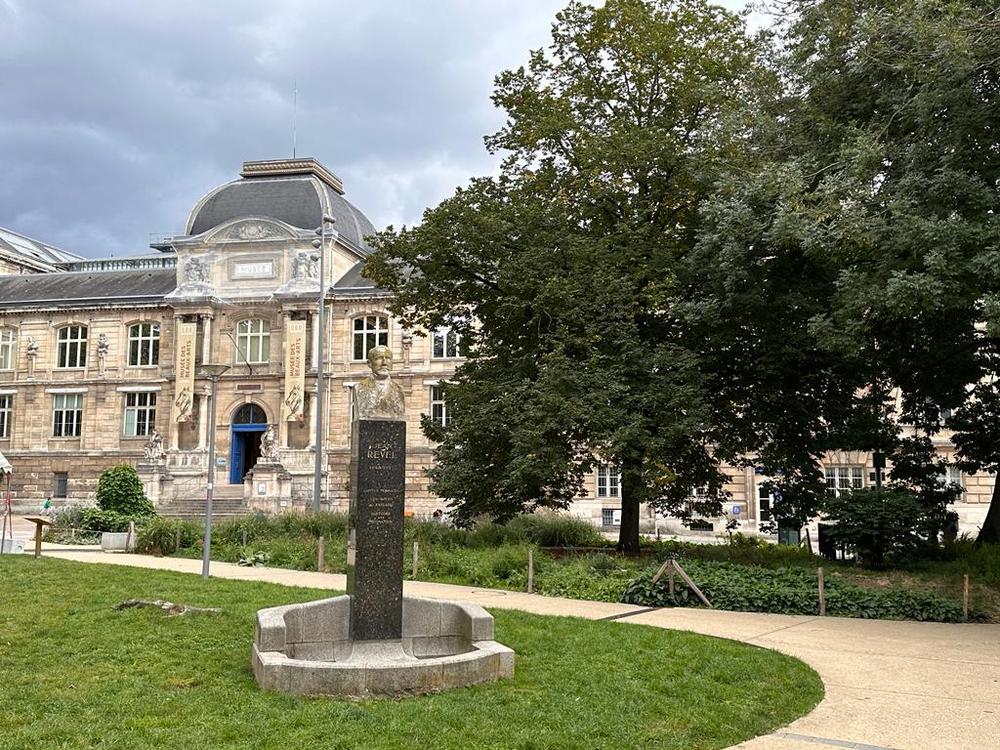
{"points": [[187, 334], [295, 370]]}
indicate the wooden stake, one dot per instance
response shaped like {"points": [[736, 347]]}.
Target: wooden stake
{"points": [[661, 569], [177, 540], [244, 537], [531, 571], [670, 580], [320, 555], [965, 598], [416, 559], [821, 582], [687, 579]]}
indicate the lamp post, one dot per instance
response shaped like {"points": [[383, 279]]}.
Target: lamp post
{"points": [[213, 373], [318, 401]]}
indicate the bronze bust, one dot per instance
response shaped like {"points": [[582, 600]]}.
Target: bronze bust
{"points": [[378, 396]]}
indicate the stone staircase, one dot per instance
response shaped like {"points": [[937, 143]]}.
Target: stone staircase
{"points": [[227, 502]]}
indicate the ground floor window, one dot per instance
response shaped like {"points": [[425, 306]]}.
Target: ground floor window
{"points": [[609, 481], [844, 478], [140, 414], [5, 417], [61, 482], [611, 517], [67, 414]]}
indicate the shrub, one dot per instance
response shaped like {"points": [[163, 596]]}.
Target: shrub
{"points": [[119, 490], [555, 530], [881, 524], [158, 536], [789, 591], [96, 519]]}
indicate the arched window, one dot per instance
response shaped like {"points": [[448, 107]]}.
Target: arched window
{"points": [[249, 414], [144, 344], [253, 341], [7, 357], [72, 348], [369, 332]]}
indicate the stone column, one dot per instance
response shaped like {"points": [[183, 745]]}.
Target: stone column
{"points": [[206, 338], [311, 406], [314, 317], [204, 404]]}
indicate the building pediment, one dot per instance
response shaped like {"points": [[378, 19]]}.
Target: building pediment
{"points": [[251, 229]]}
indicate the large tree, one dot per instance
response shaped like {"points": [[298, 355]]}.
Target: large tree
{"points": [[562, 274], [888, 147]]}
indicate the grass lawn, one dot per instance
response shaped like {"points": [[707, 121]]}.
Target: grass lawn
{"points": [[75, 673]]}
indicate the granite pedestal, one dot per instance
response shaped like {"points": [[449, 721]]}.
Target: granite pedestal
{"points": [[375, 641]]}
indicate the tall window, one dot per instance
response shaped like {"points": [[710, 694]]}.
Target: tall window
{"points": [[72, 350], [609, 481], [6, 349], [253, 341], [439, 409], [67, 414], [444, 344], [369, 332], [140, 414], [5, 417], [844, 478], [952, 475], [144, 344]]}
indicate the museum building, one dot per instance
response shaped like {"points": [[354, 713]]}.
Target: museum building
{"points": [[97, 355]]}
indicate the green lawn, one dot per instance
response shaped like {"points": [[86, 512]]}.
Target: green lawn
{"points": [[75, 673]]}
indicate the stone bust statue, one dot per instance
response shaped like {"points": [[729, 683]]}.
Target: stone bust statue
{"points": [[378, 396]]}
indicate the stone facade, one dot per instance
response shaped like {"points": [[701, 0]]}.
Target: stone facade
{"points": [[246, 271], [233, 296]]}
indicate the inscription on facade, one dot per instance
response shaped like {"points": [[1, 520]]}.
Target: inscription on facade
{"points": [[258, 269]]}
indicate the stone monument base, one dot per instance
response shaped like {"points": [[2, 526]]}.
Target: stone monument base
{"points": [[305, 649]]}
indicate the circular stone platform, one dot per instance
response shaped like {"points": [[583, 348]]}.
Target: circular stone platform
{"points": [[304, 649]]}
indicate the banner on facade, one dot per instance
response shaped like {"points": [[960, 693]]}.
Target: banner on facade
{"points": [[187, 334], [295, 370]]}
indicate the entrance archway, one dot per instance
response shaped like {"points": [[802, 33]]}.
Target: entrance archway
{"points": [[248, 424]]}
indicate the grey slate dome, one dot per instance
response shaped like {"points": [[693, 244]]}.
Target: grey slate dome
{"points": [[289, 190]]}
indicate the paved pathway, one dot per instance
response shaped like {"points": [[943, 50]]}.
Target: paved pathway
{"points": [[889, 685]]}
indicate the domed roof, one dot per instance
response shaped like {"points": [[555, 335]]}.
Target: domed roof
{"points": [[290, 190]]}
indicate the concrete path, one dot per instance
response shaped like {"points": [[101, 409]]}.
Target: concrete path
{"points": [[889, 685]]}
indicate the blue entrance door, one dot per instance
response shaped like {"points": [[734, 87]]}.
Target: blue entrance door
{"points": [[249, 423]]}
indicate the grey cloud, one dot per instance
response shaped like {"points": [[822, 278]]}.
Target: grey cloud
{"points": [[117, 116]]}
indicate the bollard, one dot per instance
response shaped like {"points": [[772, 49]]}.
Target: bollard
{"points": [[531, 572], [416, 558], [320, 555], [822, 592], [965, 598]]}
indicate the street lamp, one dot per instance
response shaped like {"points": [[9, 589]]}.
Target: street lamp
{"points": [[318, 401], [213, 373]]}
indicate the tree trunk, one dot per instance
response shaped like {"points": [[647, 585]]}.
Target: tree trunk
{"points": [[628, 532], [990, 533]]}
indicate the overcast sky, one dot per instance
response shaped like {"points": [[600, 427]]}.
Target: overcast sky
{"points": [[115, 117]]}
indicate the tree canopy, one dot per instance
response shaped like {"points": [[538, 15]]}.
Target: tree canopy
{"points": [[706, 247]]}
